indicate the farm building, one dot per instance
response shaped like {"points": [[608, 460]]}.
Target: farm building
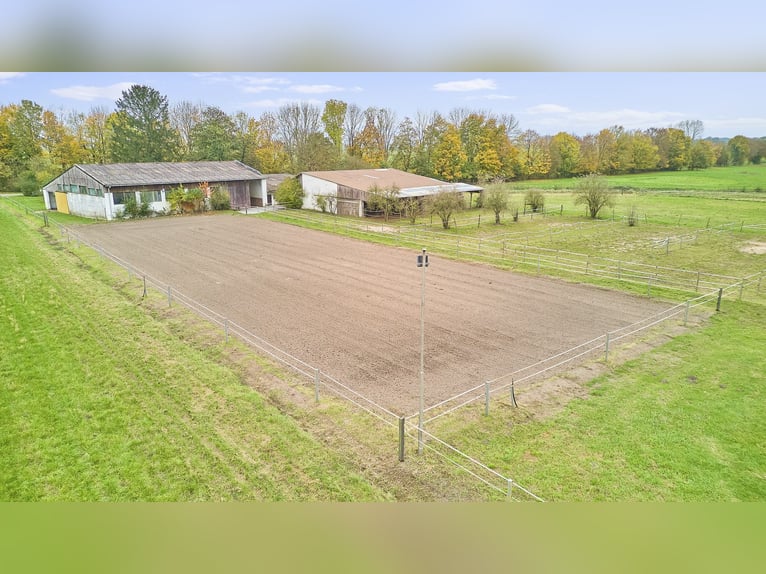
{"points": [[350, 188], [100, 190]]}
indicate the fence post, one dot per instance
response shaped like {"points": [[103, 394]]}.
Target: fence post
{"points": [[686, 313], [718, 303], [606, 353], [479, 224], [316, 385], [513, 395], [170, 297], [697, 288], [226, 329], [510, 489], [144, 293], [486, 398], [401, 439]]}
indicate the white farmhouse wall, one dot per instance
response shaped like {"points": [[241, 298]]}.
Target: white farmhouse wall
{"points": [[312, 187], [87, 205]]}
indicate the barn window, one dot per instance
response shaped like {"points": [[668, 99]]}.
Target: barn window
{"points": [[121, 196], [150, 196]]}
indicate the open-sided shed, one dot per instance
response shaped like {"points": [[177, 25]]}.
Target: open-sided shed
{"points": [[100, 190], [350, 188]]}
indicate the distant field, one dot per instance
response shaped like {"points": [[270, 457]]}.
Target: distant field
{"points": [[748, 178]]}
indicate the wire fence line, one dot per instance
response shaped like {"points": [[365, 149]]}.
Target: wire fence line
{"points": [[520, 255], [601, 344], [321, 380]]}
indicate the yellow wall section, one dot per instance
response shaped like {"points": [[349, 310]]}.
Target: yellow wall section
{"points": [[62, 205]]}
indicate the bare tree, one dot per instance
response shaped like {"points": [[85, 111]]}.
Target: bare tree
{"points": [[184, 116], [693, 129], [296, 123], [353, 125], [385, 121], [511, 124]]}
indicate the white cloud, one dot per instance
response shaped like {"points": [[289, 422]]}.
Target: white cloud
{"points": [[91, 93], [548, 109], [754, 126], [259, 89], [278, 102], [5, 77], [491, 97], [466, 85], [316, 88]]}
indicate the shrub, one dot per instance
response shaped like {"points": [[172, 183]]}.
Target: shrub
{"points": [[219, 200], [444, 204], [632, 218], [497, 201], [535, 199], [593, 190], [290, 193], [135, 210]]}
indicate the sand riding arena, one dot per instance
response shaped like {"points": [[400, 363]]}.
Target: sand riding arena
{"points": [[352, 309]]}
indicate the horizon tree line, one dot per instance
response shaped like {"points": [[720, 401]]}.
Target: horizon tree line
{"points": [[469, 145]]}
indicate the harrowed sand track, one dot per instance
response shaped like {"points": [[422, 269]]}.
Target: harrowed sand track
{"points": [[352, 309]]}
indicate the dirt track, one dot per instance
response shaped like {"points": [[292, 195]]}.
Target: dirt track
{"points": [[352, 309]]}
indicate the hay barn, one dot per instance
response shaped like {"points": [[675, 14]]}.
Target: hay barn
{"points": [[350, 188], [100, 190]]}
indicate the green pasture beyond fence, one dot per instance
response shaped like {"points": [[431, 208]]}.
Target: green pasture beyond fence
{"points": [[513, 250]]}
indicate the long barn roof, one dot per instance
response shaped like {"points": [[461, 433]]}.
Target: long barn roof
{"points": [[408, 183], [126, 174]]}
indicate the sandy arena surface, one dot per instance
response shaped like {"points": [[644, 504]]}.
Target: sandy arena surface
{"points": [[352, 309]]}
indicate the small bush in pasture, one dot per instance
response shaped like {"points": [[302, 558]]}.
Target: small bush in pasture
{"points": [[535, 199], [593, 190], [444, 204], [632, 218], [497, 201]]}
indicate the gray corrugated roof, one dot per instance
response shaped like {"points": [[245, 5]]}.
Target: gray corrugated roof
{"points": [[125, 174], [409, 184]]}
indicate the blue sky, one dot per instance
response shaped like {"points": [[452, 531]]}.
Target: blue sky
{"points": [[728, 103]]}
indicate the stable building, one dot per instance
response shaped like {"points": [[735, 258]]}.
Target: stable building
{"points": [[351, 188], [100, 190]]}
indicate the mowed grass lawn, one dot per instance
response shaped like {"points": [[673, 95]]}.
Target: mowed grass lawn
{"points": [[101, 402], [683, 422]]}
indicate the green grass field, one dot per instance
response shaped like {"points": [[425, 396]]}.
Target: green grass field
{"points": [[681, 422], [747, 178], [101, 401]]}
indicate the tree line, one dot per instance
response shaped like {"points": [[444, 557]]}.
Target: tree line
{"points": [[465, 145]]}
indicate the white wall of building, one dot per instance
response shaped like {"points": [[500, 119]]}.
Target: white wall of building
{"points": [[87, 205], [312, 187]]}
